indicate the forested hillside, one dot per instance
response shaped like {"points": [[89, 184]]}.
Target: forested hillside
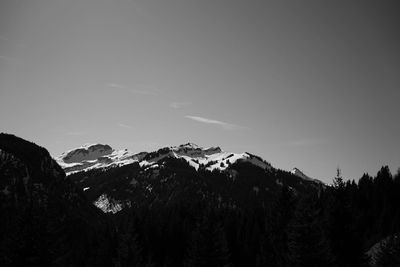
{"points": [[179, 216]]}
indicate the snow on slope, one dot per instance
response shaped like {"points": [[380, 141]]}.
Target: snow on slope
{"points": [[86, 152], [95, 156], [102, 156], [300, 174]]}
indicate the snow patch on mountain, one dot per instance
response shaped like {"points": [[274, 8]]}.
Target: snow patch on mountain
{"points": [[300, 174], [94, 157], [212, 158], [101, 156], [86, 152], [107, 204]]}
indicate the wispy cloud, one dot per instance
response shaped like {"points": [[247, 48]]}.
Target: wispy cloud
{"points": [[224, 125], [116, 86], [138, 89], [306, 142], [178, 105], [126, 126]]}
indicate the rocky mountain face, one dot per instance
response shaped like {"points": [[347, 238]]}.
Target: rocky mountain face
{"points": [[98, 156], [119, 179], [42, 210]]}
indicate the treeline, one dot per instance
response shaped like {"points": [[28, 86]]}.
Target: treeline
{"points": [[186, 218], [334, 226]]}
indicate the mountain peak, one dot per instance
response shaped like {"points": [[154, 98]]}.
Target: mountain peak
{"points": [[300, 174], [190, 145], [86, 152], [95, 156], [96, 146], [193, 150]]}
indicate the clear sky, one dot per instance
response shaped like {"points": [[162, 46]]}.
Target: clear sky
{"points": [[307, 84]]}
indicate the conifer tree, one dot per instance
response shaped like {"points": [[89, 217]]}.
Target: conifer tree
{"points": [[345, 241]]}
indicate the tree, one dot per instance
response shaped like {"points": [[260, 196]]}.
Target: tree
{"points": [[345, 241], [338, 182]]}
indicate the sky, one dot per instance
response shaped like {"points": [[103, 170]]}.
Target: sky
{"points": [[307, 84]]}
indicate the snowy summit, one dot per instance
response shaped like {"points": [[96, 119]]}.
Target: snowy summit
{"points": [[101, 156]]}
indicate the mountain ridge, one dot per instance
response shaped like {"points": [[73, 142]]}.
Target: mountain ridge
{"points": [[98, 156]]}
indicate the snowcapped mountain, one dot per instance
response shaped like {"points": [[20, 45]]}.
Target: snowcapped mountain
{"points": [[97, 156], [114, 180]]}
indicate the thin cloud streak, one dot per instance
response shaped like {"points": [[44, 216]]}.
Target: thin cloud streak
{"points": [[224, 125], [178, 105], [125, 126], [116, 85]]}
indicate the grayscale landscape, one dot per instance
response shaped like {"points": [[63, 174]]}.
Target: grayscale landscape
{"points": [[199, 133]]}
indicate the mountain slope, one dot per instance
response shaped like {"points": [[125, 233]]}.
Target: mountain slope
{"points": [[185, 173], [300, 174], [102, 156], [41, 210]]}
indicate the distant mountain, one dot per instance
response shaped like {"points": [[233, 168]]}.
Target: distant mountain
{"points": [[98, 156], [117, 179], [95, 156]]}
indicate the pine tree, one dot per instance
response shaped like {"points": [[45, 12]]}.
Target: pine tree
{"points": [[338, 182], [345, 242]]}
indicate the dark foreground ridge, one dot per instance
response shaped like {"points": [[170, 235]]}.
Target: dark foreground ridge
{"points": [[175, 215], [45, 219]]}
